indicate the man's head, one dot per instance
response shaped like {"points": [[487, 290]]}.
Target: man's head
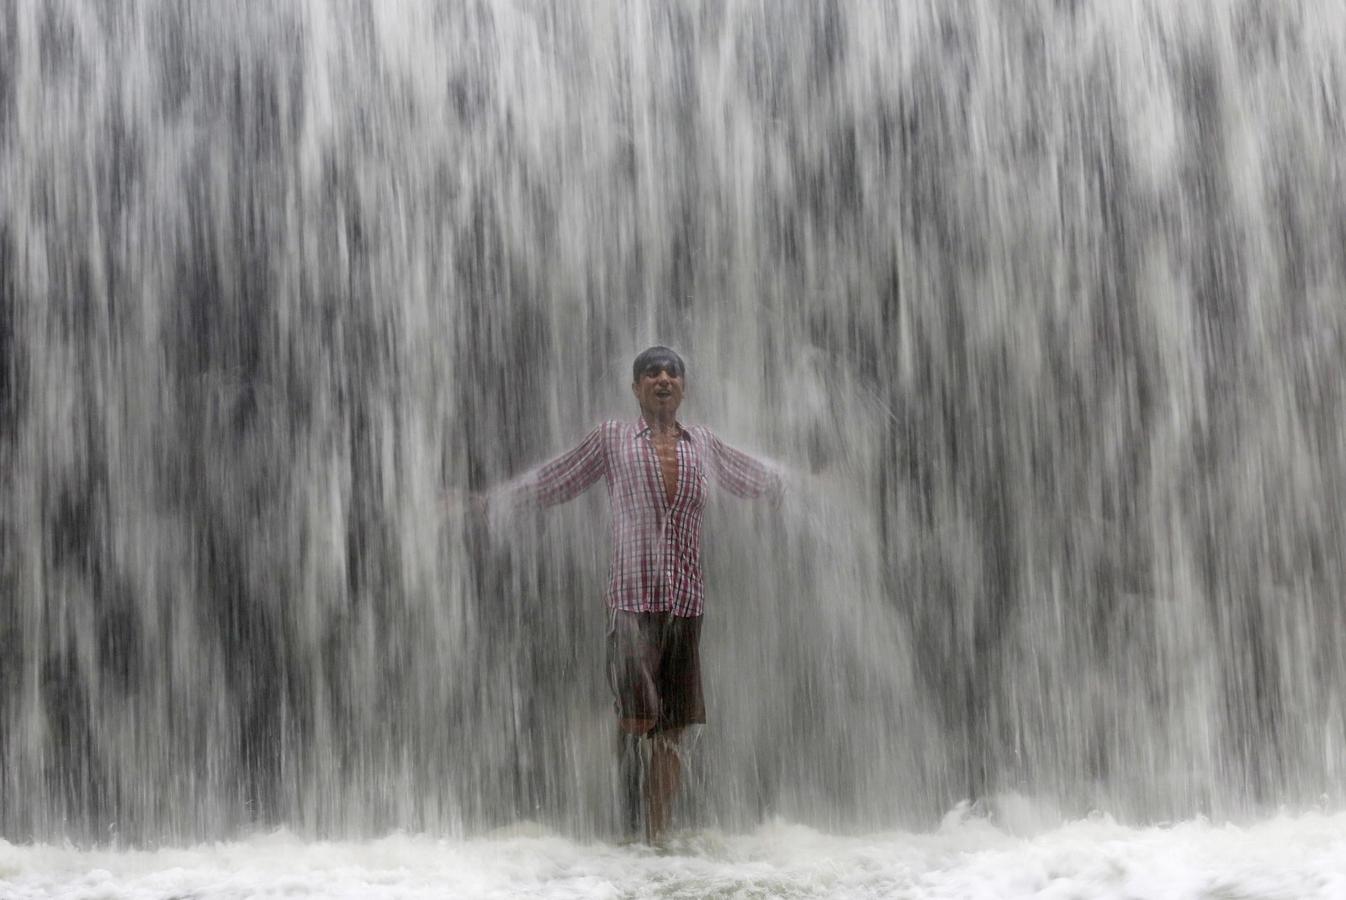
{"points": [[658, 378]]}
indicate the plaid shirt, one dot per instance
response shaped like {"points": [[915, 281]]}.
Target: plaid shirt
{"points": [[656, 544]]}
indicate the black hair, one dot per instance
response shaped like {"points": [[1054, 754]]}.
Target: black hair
{"points": [[658, 357]]}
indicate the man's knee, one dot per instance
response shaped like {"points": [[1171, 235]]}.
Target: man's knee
{"points": [[635, 726], [667, 742]]}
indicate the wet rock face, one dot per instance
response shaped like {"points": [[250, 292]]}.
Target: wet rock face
{"points": [[1042, 301]]}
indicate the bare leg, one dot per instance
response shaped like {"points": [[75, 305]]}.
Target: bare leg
{"points": [[635, 726], [630, 732], [662, 785]]}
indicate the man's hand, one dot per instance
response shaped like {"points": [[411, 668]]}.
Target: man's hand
{"points": [[473, 502]]}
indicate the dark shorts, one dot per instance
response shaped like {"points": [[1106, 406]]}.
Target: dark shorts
{"points": [[654, 667]]}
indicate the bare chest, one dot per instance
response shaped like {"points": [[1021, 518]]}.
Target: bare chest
{"points": [[666, 452]]}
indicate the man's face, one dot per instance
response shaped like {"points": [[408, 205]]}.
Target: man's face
{"points": [[658, 390]]}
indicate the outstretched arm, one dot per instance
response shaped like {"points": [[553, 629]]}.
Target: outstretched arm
{"points": [[743, 475], [563, 478]]}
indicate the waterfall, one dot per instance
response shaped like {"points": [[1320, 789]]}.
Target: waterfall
{"points": [[1041, 302]]}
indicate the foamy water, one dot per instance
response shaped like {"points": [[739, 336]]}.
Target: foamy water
{"points": [[1302, 856]]}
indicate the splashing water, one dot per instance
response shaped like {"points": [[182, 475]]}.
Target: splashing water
{"points": [[967, 859]]}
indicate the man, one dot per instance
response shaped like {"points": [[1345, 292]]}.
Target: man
{"points": [[658, 474]]}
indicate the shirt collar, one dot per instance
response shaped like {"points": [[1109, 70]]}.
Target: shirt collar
{"points": [[643, 429]]}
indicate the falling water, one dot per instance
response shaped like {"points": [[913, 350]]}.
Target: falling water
{"points": [[1040, 302]]}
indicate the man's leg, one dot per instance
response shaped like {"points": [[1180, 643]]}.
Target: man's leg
{"points": [[665, 778], [631, 654], [630, 732]]}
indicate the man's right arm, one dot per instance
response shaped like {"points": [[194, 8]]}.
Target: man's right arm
{"points": [[563, 478]]}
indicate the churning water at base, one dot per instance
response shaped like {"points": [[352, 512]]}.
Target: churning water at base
{"points": [[966, 859], [1041, 302]]}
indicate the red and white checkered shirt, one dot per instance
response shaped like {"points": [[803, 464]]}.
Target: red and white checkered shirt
{"points": [[656, 544]]}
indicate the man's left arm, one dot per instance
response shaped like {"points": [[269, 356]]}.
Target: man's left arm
{"points": [[744, 475]]}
